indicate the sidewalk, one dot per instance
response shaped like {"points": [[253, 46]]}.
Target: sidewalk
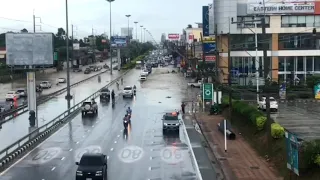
{"points": [[240, 161]]}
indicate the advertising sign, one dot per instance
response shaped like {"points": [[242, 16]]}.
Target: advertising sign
{"points": [[210, 58], [207, 91], [118, 41], [282, 91], [173, 36], [191, 37], [76, 46], [211, 19], [316, 90], [29, 49], [279, 8], [205, 21], [292, 147], [209, 48], [209, 39]]}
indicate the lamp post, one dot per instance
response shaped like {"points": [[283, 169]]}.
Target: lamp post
{"points": [[128, 16], [144, 35], [110, 1], [68, 96], [141, 33], [136, 23]]}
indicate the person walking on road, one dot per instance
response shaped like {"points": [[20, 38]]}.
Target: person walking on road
{"points": [[183, 107]]}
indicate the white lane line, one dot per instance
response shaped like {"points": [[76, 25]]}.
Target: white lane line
{"points": [[62, 158], [115, 142], [111, 149], [53, 168], [118, 136], [83, 136], [149, 168], [92, 126], [151, 149], [121, 130], [77, 142], [108, 157], [70, 149], [151, 158], [88, 130], [96, 123]]}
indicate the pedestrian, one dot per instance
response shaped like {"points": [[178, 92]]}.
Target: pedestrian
{"points": [[183, 107]]}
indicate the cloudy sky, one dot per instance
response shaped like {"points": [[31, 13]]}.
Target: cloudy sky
{"points": [[165, 16]]}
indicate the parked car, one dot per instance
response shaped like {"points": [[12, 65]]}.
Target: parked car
{"points": [[273, 104], [62, 80], [77, 69], [45, 84], [22, 92], [87, 71]]}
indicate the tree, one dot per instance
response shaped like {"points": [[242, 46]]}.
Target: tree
{"points": [[189, 26], [24, 30]]}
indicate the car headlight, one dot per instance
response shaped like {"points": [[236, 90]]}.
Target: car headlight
{"points": [[99, 173], [177, 124], [165, 124], [79, 173]]}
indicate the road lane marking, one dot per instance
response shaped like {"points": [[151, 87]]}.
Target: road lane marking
{"points": [[92, 126], [53, 168], [115, 142], [149, 168], [70, 149], [130, 154], [118, 136], [111, 149], [77, 142], [83, 136], [108, 157], [62, 158]]}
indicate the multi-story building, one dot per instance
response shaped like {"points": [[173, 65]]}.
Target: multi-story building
{"points": [[163, 38], [124, 32], [291, 39]]}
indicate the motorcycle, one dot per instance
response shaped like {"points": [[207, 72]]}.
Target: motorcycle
{"points": [[129, 115], [125, 124]]}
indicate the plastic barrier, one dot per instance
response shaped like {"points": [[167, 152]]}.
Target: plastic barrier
{"points": [[230, 134]]}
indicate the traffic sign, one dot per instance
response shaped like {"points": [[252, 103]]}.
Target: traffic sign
{"points": [[207, 91]]}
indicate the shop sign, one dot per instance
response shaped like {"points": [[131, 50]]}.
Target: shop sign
{"points": [[272, 8]]}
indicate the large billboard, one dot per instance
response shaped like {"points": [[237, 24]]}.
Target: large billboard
{"points": [[173, 36], [29, 49], [118, 41], [211, 19], [282, 8], [205, 21]]}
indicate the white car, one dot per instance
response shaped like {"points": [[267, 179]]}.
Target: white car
{"points": [[62, 80], [273, 104], [11, 95], [143, 77], [144, 72], [128, 92], [45, 84], [22, 92]]}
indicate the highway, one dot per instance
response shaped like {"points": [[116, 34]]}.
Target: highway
{"points": [[141, 154], [51, 76], [50, 109]]}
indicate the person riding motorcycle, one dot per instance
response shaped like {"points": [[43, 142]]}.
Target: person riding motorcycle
{"points": [[125, 121], [129, 110], [134, 89]]}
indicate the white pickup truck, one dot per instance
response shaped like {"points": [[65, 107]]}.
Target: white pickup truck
{"points": [[195, 84]]}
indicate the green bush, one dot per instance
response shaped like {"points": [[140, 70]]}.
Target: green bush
{"points": [[277, 131], [291, 96], [260, 122], [311, 153], [132, 64]]}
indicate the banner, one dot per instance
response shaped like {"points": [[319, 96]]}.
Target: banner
{"points": [[317, 91], [211, 19], [205, 21], [292, 147], [209, 48], [282, 91], [173, 36], [118, 41]]}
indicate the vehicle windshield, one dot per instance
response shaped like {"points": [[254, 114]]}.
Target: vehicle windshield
{"points": [[10, 93], [143, 75], [170, 117], [272, 100], [128, 88], [91, 161]]}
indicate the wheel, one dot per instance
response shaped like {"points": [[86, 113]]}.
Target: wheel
{"points": [[163, 131], [83, 114], [96, 111], [123, 96], [192, 86]]}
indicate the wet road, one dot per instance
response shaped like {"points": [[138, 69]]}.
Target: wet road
{"points": [[50, 109], [50, 75], [143, 153]]}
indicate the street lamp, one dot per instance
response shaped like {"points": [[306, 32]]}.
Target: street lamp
{"points": [[68, 96], [144, 35], [128, 16], [141, 33], [136, 23], [110, 1]]}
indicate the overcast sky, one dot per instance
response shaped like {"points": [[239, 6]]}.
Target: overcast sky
{"points": [[165, 16]]}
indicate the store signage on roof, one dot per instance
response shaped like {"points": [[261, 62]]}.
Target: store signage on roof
{"points": [[290, 8]]}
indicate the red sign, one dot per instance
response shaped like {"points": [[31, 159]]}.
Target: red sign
{"points": [[173, 36], [210, 58], [191, 36], [103, 41]]}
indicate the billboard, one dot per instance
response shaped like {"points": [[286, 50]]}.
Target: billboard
{"points": [[279, 8], [173, 36], [29, 49], [210, 58], [205, 21], [118, 41], [209, 48], [211, 19]]}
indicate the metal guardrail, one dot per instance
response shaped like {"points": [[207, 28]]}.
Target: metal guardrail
{"points": [[24, 108], [19, 147]]}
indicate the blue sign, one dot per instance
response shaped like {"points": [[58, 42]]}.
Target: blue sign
{"points": [[282, 91], [209, 47], [292, 152], [118, 41], [205, 21]]}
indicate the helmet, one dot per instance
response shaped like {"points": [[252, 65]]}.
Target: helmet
{"points": [[128, 107]]}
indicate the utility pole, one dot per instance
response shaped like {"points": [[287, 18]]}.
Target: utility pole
{"points": [[217, 53], [229, 74], [72, 40], [141, 33], [68, 96], [34, 22], [144, 34]]}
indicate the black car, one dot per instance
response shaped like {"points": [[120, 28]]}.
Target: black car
{"points": [[87, 71], [105, 95], [92, 167]]}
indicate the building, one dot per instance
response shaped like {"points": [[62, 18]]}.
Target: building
{"points": [[293, 49], [163, 37], [124, 31]]}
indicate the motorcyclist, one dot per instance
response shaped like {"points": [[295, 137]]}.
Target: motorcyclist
{"points": [[134, 89], [129, 110], [93, 101]]}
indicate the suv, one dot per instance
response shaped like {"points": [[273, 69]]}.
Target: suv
{"points": [[92, 166], [170, 122], [89, 107], [128, 91]]}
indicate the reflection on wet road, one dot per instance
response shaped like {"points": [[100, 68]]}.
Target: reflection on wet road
{"points": [[50, 109], [140, 153]]}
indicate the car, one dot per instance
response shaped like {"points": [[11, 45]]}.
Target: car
{"points": [[89, 107], [128, 92], [45, 84], [144, 72], [92, 167], [62, 80], [170, 122], [273, 104], [77, 70], [105, 94], [92, 68], [22, 92], [143, 77], [87, 71], [11, 95]]}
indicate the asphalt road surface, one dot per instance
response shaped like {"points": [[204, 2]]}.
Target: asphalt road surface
{"points": [[18, 127], [49, 75], [140, 154]]}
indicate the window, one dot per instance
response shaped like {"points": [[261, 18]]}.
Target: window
{"points": [[296, 41], [250, 24], [290, 63], [91, 161], [300, 21], [300, 63], [309, 63], [281, 63], [316, 21], [316, 63], [310, 21]]}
